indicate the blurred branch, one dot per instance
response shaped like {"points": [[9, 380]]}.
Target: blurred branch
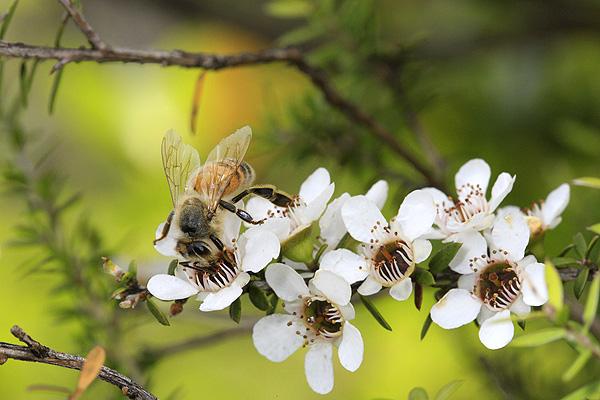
{"points": [[197, 342], [102, 53], [83, 25], [34, 351]]}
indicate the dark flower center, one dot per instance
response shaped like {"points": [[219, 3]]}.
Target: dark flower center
{"points": [[214, 274], [393, 262], [498, 285], [322, 317]]}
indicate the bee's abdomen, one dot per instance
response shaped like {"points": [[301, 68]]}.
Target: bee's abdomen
{"points": [[246, 173]]}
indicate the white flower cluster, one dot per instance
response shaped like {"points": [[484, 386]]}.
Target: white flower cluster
{"points": [[497, 277]]}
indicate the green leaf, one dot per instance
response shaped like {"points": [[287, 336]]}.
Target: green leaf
{"points": [[288, 8], [448, 390], [54, 89], [159, 315], [591, 245], [426, 326], [259, 298], [235, 310], [577, 365], [173, 266], [418, 393], [539, 338], [561, 262], [555, 287], [274, 301], [424, 277], [584, 392], [443, 257], [375, 312], [594, 228], [522, 324], [8, 18], [580, 244], [132, 268], [580, 282], [591, 305], [588, 181]]}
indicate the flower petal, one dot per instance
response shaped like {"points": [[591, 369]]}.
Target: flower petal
{"points": [[351, 348], [332, 286], [275, 338], [369, 286], [520, 308], [555, 203], [402, 290], [473, 245], [231, 227], [167, 245], [501, 189], [362, 218], [347, 311], [286, 282], [318, 367], [416, 214], [467, 282], [535, 290], [497, 331], [222, 299], [475, 172], [457, 308], [421, 249], [331, 224], [378, 193], [314, 185], [511, 234], [258, 247], [313, 209], [168, 287], [484, 315], [259, 207], [346, 264]]}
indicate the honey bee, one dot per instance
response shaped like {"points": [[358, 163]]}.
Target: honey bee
{"points": [[202, 193]]}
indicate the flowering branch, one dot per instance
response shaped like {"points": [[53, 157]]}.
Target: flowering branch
{"points": [[34, 351]]}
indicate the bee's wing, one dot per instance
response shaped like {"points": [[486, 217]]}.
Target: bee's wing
{"points": [[230, 151], [179, 161]]}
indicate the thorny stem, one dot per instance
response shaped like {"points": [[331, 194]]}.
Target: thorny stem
{"points": [[34, 351], [102, 52]]}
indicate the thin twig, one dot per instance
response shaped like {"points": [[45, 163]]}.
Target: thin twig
{"points": [[36, 352], [84, 26], [292, 56]]}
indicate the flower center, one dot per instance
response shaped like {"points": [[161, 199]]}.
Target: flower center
{"points": [[322, 317], [292, 212], [215, 274], [471, 202], [498, 285], [393, 262]]}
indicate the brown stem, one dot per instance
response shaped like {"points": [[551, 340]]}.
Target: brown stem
{"points": [[291, 56], [83, 25], [37, 352]]}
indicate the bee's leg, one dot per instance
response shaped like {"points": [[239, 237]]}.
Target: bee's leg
{"points": [[239, 212], [277, 197], [166, 227], [217, 242]]}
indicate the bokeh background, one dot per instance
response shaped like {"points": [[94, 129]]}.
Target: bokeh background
{"points": [[515, 83]]}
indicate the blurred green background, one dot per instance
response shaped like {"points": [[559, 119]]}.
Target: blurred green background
{"points": [[515, 83]]}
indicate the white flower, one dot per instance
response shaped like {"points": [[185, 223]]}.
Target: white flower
{"points": [[317, 318], [471, 210], [308, 206], [546, 216], [388, 252], [219, 282], [500, 281], [331, 224]]}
